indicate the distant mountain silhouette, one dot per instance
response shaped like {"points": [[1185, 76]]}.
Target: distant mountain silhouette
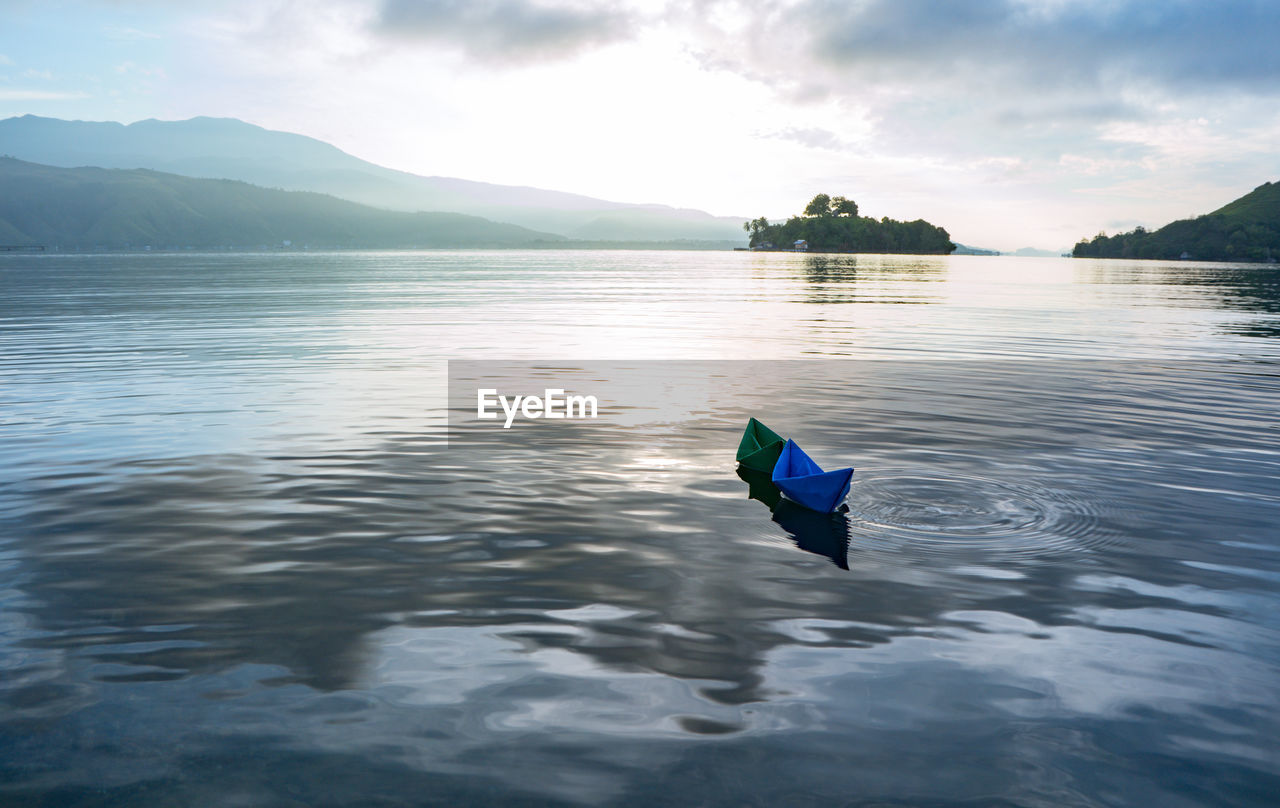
{"points": [[1037, 252], [1247, 229], [965, 249], [226, 148], [97, 208]]}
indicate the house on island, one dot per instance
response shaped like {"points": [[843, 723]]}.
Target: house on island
{"points": [[801, 245]]}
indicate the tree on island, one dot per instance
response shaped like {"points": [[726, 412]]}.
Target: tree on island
{"points": [[820, 205], [832, 224], [843, 207], [823, 205], [756, 228]]}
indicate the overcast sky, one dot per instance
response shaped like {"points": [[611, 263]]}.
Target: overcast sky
{"points": [[1009, 122]]}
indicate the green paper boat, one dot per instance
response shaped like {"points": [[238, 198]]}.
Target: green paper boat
{"points": [[760, 447]]}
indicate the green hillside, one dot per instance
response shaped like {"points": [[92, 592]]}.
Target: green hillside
{"points": [[1247, 229], [95, 208]]}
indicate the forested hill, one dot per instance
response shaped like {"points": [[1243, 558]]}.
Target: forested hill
{"points": [[1247, 229], [95, 208], [832, 224]]}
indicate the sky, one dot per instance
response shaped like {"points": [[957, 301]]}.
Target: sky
{"points": [[1010, 122]]}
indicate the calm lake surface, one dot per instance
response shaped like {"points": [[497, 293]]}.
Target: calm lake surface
{"points": [[244, 562]]}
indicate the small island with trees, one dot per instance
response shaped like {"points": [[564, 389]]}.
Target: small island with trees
{"points": [[832, 225]]}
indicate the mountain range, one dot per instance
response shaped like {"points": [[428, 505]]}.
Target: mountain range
{"points": [[100, 208], [226, 148]]}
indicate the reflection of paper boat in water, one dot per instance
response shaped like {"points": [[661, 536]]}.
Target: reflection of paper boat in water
{"points": [[760, 486], [825, 534], [760, 447], [803, 481]]}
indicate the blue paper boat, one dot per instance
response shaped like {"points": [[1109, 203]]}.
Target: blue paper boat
{"points": [[803, 481]]}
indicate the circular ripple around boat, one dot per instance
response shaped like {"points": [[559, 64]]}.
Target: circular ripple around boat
{"points": [[914, 512]]}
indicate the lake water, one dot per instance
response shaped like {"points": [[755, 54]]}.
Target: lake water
{"points": [[250, 556]]}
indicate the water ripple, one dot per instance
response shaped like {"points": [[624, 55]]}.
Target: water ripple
{"points": [[921, 512]]}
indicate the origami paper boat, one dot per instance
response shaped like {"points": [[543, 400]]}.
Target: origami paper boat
{"points": [[760, 447], [803, 481]]}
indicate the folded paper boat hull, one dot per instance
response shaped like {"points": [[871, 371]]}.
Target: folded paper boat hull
{"points": [[803, 481], [821, 492], [760, 447]]}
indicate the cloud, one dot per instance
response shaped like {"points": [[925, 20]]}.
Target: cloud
{"points": [[967, 80], [1077, 60], [127, 34], [814, 137], [40, 95], [1119, 104], [127, 67], [506, 31], [1050, 45]]}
